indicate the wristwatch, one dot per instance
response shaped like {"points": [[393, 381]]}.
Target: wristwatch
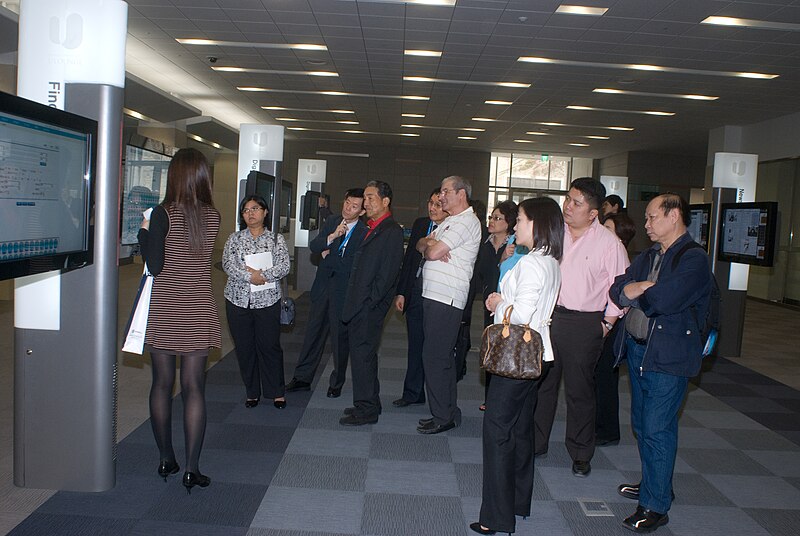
{"points": [[609, 326]]}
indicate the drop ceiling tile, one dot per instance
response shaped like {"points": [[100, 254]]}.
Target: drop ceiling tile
{"points": [[202, 13], [333, 6], [344, 44], [473, 27], [384, 34], [341, 31], [257, 29], [689, 11], [219, 27], [159, 12], [476, 14], [424, 40], [294, 33], [427, 25]]}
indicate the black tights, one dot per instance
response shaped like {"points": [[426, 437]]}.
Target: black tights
{"points": [[193, 383]]}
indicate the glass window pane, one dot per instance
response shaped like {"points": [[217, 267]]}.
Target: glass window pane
{"points": [[503, 169], [559, 174]]}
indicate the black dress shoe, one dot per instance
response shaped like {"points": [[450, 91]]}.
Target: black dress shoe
{"points": [[631, 491], [581, 468], [476, 527], [280, 404], [424, 422], [298, 385], [355, 419], [402, 403], [167, 467], [351, 410], [191, 480], [334, 392], [644, 520], [605, 442], [251, 402], [433, 428]]}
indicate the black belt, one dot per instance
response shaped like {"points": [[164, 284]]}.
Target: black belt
{"points": [[564, 310]]}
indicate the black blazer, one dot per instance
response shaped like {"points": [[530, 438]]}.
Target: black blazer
{"points": [[333, 265], [342, 266], [412, 259], [376, 266]]}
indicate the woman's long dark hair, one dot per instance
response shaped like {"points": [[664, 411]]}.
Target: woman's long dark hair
{"points": [[548, 225], [189, 186]]}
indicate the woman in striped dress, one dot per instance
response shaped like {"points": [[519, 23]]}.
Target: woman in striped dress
{"points": [[177, 243]]}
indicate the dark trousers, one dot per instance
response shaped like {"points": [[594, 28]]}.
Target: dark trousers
{"points": [[364, 331], [507, 452], [441, 324], [340, 346], [606, 388], [577, 340], [317, 329], [257, 336], [414, 384]]}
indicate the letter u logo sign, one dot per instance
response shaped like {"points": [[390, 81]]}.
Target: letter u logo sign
{"points": [[739, 167], [72, 33], [261, 139]]}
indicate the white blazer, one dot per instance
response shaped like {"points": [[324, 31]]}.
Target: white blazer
{"points": [[532, 288]]}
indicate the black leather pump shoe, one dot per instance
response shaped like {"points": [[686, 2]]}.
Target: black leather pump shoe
{"points": [[167, 467], [191, 480], [477, 527]]}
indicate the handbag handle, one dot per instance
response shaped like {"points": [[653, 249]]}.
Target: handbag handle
{"points": [[507, 322]]}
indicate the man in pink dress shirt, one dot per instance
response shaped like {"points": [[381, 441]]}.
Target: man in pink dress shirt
{"points": [[593, 257]]}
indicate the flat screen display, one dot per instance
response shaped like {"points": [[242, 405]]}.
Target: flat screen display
{"points": [[46, 188], [747, 232], [700, 227], [309, 212], [144, 187]]}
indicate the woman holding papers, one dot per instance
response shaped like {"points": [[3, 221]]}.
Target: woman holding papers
{"points": [[255, 261], [177, 240]]}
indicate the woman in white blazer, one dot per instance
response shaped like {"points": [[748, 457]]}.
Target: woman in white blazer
{"points": [[531, 287]]}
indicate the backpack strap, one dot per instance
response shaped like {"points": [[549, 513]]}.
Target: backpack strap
{"points": [[686, 247]]}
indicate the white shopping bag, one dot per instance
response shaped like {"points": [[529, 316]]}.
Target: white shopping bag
{"points": [[137, 324]]}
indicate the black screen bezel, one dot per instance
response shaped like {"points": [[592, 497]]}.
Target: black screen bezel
{"points": [[771, 208]]}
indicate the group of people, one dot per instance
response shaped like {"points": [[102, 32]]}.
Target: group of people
{"points": [[562, 272]]}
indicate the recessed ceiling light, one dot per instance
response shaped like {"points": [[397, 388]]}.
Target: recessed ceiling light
{"points": [[203, 140], [282, 108], [463, 82], [550, 124], [352, 131], [293, 119], [581, 10], [330, 93], [418, 2], [483, 119], [646, 94], [524, 141], [535, 133], [499, 102], [596, 137], [643, 112], [247, 44], [579, 144], [751, 23], [417, 116], [643, 67], [272, 71], [423, 53], [467, 138], [136, 115], [443, 128]]}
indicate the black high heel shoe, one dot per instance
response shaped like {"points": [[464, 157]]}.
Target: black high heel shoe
{"points": [[477, 527], [167, 467], [191, 480]]}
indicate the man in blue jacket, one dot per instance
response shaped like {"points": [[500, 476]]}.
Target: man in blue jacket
{"points": [[667, 288]]}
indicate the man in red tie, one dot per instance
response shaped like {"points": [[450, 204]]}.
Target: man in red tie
{"points": [[370, 292]]}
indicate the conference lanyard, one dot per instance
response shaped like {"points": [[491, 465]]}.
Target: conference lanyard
{"points": [[345, 241]]}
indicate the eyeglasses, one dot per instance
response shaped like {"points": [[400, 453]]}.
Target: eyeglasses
{"points": [[247, 210], [497, 218], [445, 191]]}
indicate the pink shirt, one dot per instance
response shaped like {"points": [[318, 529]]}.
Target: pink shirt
{"points": [[588, 268]]}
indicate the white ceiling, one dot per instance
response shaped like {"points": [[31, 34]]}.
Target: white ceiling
{"points": [[480, 41]]}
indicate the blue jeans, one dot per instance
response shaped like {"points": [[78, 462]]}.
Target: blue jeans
{"points": [[655, 400]]}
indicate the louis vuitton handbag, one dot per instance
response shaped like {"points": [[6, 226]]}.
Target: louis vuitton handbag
{"points": [[512, 350]]}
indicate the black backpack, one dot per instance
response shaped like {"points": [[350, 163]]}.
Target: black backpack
{"points": [[709, 329]]}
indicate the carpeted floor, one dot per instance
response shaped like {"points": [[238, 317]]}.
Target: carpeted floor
{"points": [[297, 472]]}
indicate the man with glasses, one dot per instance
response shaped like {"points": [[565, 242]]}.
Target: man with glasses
{"points": [[337, 242], [449, 252], [409, 301]]}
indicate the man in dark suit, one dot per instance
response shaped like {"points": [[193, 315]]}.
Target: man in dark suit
{"points": [[370, 291], [329, 239], [409, 301]]}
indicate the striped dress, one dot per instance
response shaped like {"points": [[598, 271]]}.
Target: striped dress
{"points": [[183, 314]]}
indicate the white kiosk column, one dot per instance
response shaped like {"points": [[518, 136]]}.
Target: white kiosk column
{"points": [[260, 149], [734, 181], [72, 57]]}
